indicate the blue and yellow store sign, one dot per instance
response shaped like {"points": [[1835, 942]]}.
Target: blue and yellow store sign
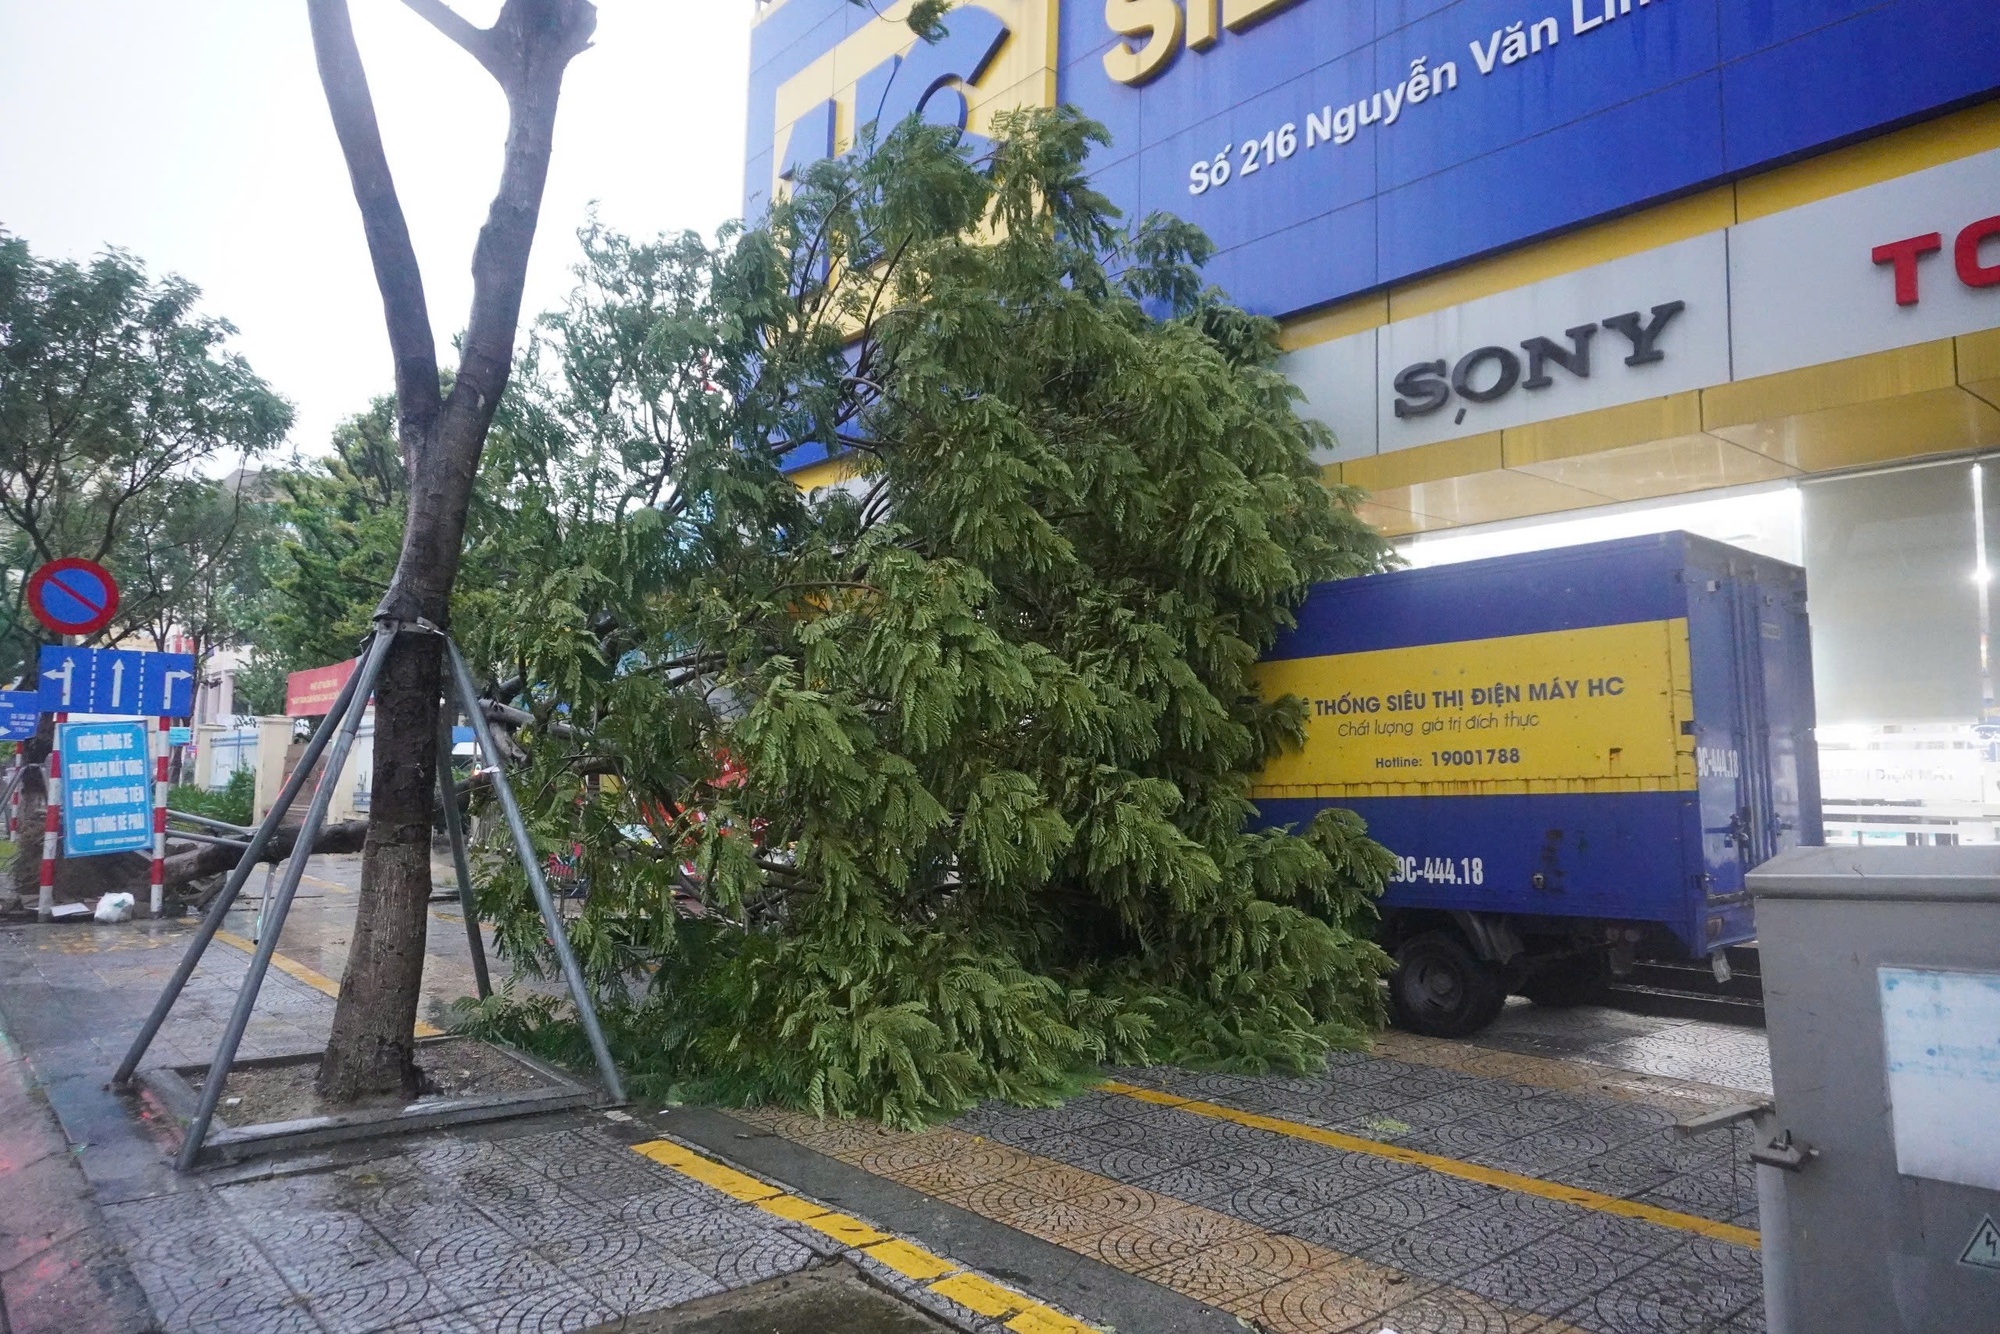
{"points": [[1530, 256]]}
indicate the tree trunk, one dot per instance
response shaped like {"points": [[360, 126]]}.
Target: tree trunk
{"points": [[372, 1048], [527, 50]]}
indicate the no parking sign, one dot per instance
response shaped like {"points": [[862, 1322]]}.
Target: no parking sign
{"points": [[73, 596]]}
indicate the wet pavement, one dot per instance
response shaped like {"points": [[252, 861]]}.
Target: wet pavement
{"points": [[1529, 1180]]}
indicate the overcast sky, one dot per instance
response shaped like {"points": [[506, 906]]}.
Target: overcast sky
{"points": [[193, 133]]}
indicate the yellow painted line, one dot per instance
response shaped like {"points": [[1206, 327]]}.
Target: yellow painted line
{"points": [[911, 1260], [938, 1274], [1485, 1176], [980, 1295], [317, 981]]}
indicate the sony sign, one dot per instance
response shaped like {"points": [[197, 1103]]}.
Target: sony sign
{"points": [[1489, 373]]}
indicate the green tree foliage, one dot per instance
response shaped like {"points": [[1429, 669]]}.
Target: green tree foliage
{"points": [[235, 802], [342, 516], [115, 394], [933, 786]]}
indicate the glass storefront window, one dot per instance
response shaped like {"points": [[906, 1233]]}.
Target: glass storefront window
{"points": [[1899, 585]]}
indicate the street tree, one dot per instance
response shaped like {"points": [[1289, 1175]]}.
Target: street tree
{"points": [[191, 564], [116, 395], [932, 785], [442, 433]]}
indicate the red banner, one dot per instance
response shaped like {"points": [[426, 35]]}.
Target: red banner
{"points": [[310, 694]]}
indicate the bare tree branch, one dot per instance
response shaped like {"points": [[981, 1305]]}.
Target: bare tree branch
{"points": [[477, 41], [412, 342]]}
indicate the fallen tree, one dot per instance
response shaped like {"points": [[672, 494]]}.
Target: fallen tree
{"points": [[954, 756], [182, 868]]}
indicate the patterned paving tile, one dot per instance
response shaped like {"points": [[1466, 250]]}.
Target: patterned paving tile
{"points": [[1458, 1243], [317, 1262], [647, 1279], [1701, 1195], [1552, 1276], [749, 1259], [1667, 1296], [1341, 1228], [1590, 1226], [1443, 1311], [380, 1302], [558, 1310], [1335, 1296], [1230, 1272]]}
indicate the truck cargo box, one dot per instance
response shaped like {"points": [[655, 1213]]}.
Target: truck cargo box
{"points": [[1563, 749]]}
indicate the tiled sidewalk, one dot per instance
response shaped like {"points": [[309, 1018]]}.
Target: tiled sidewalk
{"points": [[543, 1226], [1528, 1181], [1299, 1235]]}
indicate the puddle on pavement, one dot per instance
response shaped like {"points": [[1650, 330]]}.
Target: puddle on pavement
{"points": [[817, 1301]]}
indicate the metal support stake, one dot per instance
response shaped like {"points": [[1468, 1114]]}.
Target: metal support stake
{"points": [[264, 899], [260, 963], [524, 846], [219, 910], [454, 829]]}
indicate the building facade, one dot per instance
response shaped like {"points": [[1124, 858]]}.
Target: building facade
{"points": [[1554, 270]]}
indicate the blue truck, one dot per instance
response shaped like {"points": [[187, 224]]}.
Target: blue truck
{"points": [[1574, 755]]}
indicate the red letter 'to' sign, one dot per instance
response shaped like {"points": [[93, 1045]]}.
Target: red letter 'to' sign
{"points": [[1904, 255], [1970, 271]]}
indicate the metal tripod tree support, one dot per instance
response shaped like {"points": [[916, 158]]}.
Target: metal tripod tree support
{"points": [[338, 730]]}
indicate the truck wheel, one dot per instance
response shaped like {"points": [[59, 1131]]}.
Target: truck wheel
{"points": [[1567, 983], [1439, 989]]}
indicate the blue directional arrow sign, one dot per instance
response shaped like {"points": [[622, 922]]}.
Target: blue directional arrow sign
{"points": [[116, 678], [20, 711], [166, 685], [120, 682], [67, 677]]}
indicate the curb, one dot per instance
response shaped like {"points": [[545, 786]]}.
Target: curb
{"points": [[61, 1269]]}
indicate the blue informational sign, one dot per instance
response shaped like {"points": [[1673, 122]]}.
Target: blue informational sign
{"points": [[107, 788], [20, 711], [1328, 147], [117, 681], [179, 736]]}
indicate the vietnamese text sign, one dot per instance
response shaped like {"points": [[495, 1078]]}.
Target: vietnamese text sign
{"points": [[1941, 1038], [20, 711], [310, 694], [1601, 702], [116, 681], [107, 788], [1330, 147]]}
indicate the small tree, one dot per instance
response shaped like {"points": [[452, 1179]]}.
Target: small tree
{"points": [[115, 393], [442, 433], [943, 773]]}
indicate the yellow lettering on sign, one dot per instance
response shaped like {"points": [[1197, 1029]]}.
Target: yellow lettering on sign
{"points": [[1240, 14], [1158, 21], [1603, 703], [1201, 29], [1161, 23]]}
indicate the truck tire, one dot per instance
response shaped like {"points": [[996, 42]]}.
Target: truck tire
{"points": [[1567, 983], [1441, 990]]}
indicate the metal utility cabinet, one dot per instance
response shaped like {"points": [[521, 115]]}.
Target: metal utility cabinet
{"points": [[1880, 1165], [1574, 754]]}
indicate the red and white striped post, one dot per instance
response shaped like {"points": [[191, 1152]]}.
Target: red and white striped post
{"points": [[160, 817], [52, 827]]}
